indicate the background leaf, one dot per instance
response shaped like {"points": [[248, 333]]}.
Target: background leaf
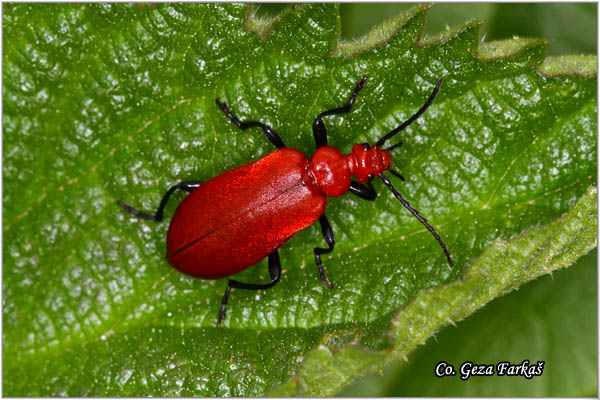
{"points": [[501, 268], [107, 101], [514, 328], [565, 26]]}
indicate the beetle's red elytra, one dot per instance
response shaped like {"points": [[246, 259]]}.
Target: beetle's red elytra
{"points": [[253, 210], [236, 219]]}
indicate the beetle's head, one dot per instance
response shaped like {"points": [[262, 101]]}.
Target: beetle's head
{"points": [[366, 162]]}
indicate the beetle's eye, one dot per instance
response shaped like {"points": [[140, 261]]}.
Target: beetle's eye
{"points": [[366, 146], [371, 176]]}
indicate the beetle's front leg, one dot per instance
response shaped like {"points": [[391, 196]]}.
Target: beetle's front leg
{"points": [[319, 131]]}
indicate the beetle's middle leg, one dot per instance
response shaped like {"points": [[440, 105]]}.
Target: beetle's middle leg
{"points": [[158, 215], [268, 131], [319, 131], [329, 239], [274, 271]]}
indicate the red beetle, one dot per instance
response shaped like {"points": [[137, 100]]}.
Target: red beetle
{"points": [[236, 219]]}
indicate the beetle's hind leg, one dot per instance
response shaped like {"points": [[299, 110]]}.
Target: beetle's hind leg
{"points": [[319, 131], [268, 131], [274, 271], [158, 215], [329, 239]]}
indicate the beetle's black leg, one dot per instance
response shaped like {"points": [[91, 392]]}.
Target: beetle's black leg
{"points": [[319, 129], [268, 131], [328, 236], [274, 271], [366, 192], [158, 215]]}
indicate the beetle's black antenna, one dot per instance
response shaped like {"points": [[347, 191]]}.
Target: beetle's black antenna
{"points": [[394, 146], [412, 119], [414, 212]]}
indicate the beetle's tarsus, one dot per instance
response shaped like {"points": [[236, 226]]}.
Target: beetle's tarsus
{"points": [[326, 282], [269, 132], [139, 213]]}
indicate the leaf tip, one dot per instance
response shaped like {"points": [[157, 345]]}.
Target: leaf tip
{"points": [[510, 48], [383, 33], [563, 66]]}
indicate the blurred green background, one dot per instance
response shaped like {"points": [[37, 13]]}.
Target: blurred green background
{"points": [[571, 28], [553, 318]]}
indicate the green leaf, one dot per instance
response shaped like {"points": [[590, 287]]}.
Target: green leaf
{"points": [[551, 319], [503, 267], [114, 101]]}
